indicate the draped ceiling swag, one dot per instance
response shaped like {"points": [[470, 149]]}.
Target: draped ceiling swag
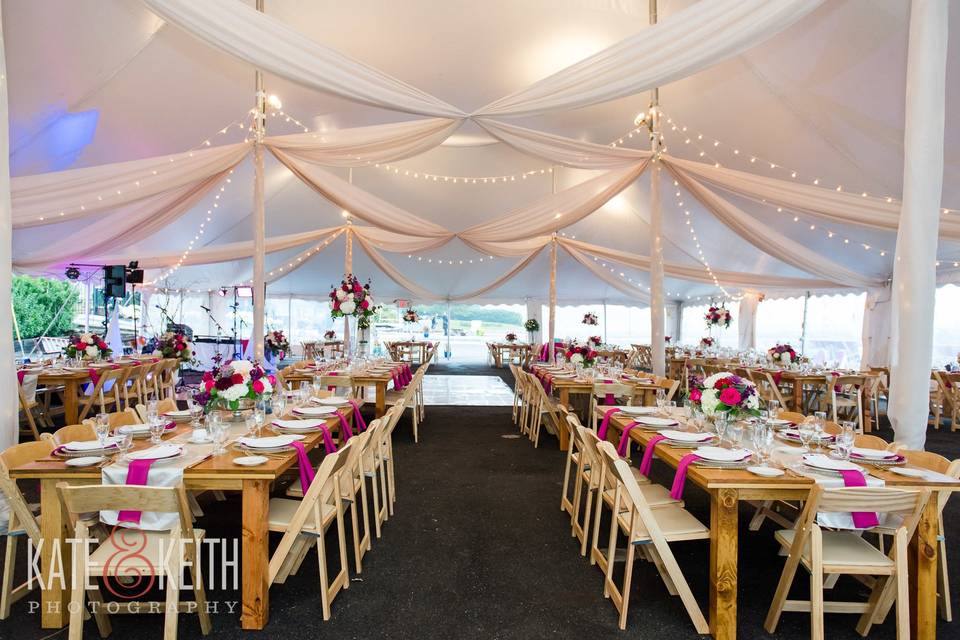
{"points": [[162, 89]]}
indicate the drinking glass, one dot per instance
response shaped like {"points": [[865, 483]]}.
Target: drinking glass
{"points": [[844, 440], [279, 405], [806, 431], [102, 429], [124, 444], [735, 431], [764, 416], [819, 422], [219, 435], [720, 422], [196, 413], [763, 442], [156, 431], [316, 385], [305, 392], [773, 408], [661, 400], [259, 418], [152, 411]]}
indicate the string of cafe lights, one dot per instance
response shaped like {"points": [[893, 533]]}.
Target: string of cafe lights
{"points": [[695, 138], [629, 280], [692, 136]]}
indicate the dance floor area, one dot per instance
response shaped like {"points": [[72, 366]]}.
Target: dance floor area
{"points": [[469, 391], [478, 548]]}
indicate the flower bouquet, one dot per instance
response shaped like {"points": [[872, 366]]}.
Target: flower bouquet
{"points": [[594, 342], [351, 299], [580, 354], [329, 335], [718, 317], [410, 316], [590, 319], [783, 354], [531, 325], [706, 343], [666, 339], [276, 344], [87, 345], [237, 380], [725, 393], [511, 337], [173, 345]]}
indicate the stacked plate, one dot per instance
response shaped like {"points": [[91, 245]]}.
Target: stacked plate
{"points": [[778, 423], [718, 458], [182, 415], [687, 439], [297, 426], [268, 444], [160, 454], [792, 435], [87, 448], [876, 457], [638, 411], [136, 430], [332, 401], [653, 423], [827, 465], [313, 412]]}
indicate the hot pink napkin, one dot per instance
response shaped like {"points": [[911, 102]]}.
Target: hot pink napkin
{"points": [[407, 374], [647, 462], [361, 423], [680, 478], [605, 423], [610, 398], [624, 445], [861, 519], [303, 463], [20, 375], [547, 382], [331, 387], [777, 376], [345, 427], [137, 474], [397, 382]]}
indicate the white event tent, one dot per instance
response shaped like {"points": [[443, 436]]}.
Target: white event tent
{"points": [[458, 151]]}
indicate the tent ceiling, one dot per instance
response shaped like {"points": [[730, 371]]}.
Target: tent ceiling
{"points": [[106, 81]]}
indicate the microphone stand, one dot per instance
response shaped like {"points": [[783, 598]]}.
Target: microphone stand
{"points": [[216, 324]]}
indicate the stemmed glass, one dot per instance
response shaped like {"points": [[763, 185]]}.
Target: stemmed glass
{"points": [[279, 405], [102, 429], [219, 434], [156, 430], [196, 413], [806, 431], [762, 442], [152, 411], [696, 417], [819, 422], [661, 400], [720, 422], [844, 440], [773, 408], [124, 444]]}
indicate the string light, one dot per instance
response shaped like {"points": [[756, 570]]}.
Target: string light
{"points": [[794, 174], [436, 177], [624, 276]]}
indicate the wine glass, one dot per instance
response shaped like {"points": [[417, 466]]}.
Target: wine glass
{"points": [[219, 435], [806, 431], [661, 400], [152, 411], [196, 413], [124, 444], [102, 429], [773, 408], [735, 431], [763, 442], [259, 418], [156, 431], [720, 422], [819, 423], [279, 405], [844, 440]]}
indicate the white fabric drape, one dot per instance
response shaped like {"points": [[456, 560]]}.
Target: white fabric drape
{"points": [[561, 150], [914, 272], [361, 204], [513, 248], [259, 223], [8, 373], [78, 193], [769, 241], [422, 293], [827, 204], [271, 45], [363, 146], [302, 258], [657, 333], [396, 242], [747, 320], [697, 273], [632, 291], [875, 334], [121, 229], [555, 211], [686, 42]]}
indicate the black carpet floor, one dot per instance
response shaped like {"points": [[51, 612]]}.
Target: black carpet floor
{"points": [[478, 548]]}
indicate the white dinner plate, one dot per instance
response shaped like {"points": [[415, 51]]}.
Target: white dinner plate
{"points": [[269, 442], [84, 461], [250, 461], [177, 416], [314, 411], [134, 429], [909, 472], [653, 421], [333, 401], [90, 445], [820, 461], [776, 422], [298, 425], [686, 436], [638, 411], [766, 472], [159, 452], [716, 454], [873, 454]]}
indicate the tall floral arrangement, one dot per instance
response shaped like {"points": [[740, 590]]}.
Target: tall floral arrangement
{"points": [[594, 342], [581, 354], [174, 345], [351, 298], [87, 345], [410, 316], [718, 317], [590, 319], [276, 344], [531, 325], [783, 354], [725, 393], [236, 380]]}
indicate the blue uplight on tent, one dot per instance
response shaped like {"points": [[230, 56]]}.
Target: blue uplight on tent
{"points": [[57, 144]]}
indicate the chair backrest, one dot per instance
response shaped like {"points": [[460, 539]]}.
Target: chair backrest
{"points": [[868, 441], [11, 458], [908, 503], [590, 442], [933, 462], [28, 389], [72, 433], [97, 497], [163, 406], [670, 386], [601, 389], [792, 416], [117, 419]]}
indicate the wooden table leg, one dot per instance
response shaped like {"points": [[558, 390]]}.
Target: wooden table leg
{"points": [[797, 396], [256, 557], [70, 411], [923, 574], [381, 399], [723, 564], [55, 596]]}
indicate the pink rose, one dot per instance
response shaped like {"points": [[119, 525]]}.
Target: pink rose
{"points": [[730, 396], [208, 384], [695, 395], [365, 305], [258, 386], [273, 379]]}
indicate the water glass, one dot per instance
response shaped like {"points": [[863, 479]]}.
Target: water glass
{"points": [[156, 431], [152, 411], [845, 440], [735, 431], [773, 408], [720, 422], [219, 435], [661, 400], [279, 405], [124, 444], [763, 442], [102, 429], [806, 430], [196, 413]]}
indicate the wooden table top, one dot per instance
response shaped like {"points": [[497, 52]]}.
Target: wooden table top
{"points": [[221, 466], [712, 478]]}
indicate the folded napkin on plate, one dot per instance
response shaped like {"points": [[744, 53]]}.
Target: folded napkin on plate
{"points": [[269, 442], [141, 472], [299, 424], [89, 445]]}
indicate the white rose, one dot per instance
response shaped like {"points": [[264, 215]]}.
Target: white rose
{"points": [[785, 357], [349, 296], [92, 351], [348, 307], [576, 358], [235, 392], [242, 367], [341, 294]]}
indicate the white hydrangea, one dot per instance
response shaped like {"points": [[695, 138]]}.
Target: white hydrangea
{"points": [[92, 351], [348, 307], [242, 367], [235, 392], [341, 294], [576, 358]]}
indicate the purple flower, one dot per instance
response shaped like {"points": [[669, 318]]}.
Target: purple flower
{"points": [[202, 398]]}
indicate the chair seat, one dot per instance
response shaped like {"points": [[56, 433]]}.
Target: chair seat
{"points": [[150, 560], [676, 523], [296, 491], [656, 496], [840, 548], [281, 512]]}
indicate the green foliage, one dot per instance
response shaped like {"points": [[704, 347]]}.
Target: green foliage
{"points": [[36, 302], [472, 312]]}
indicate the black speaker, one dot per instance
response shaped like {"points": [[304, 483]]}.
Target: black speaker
{"points": [[115, 281], [135, 276]]}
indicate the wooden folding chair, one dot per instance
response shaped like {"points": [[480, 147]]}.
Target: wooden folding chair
{"points": [[164, 553], [652, 531], [373, 463], [824, 553], [304, 524], [167, 378], [21, 521], [27, 394], [412, 399], [949, 386], [845, 397], [163, 406], [574, 446], [390, 420], [605, 391], [541, 410], [108, 382], [516, 392]]}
